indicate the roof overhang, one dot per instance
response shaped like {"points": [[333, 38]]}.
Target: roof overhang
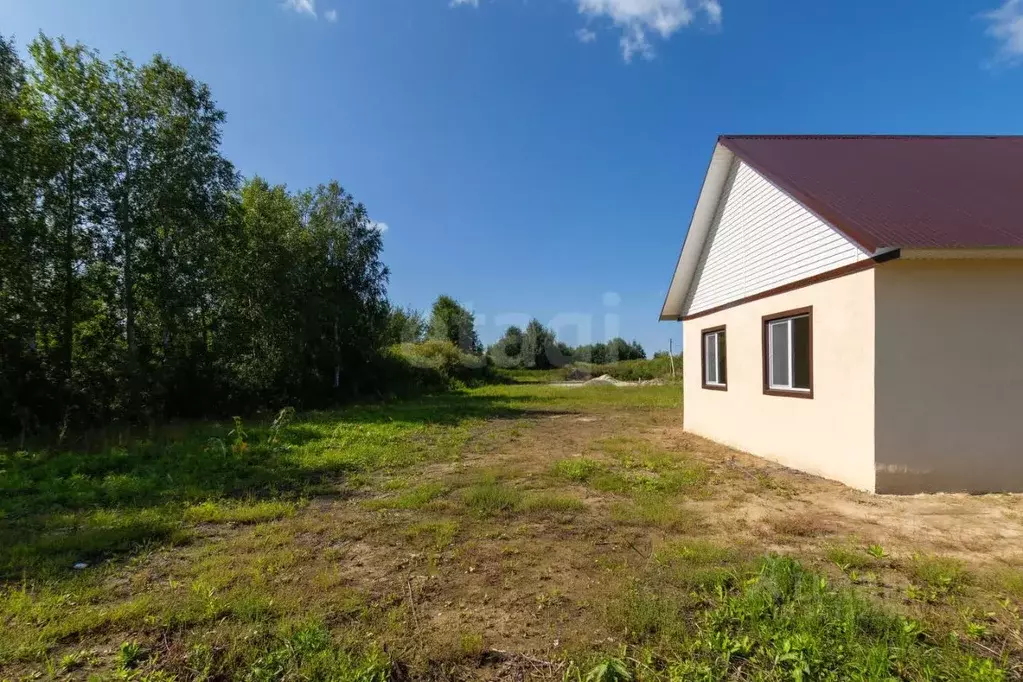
{"points": [[699, 227]]}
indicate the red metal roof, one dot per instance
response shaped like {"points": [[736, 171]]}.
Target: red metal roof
{"points": [[900, 191]]}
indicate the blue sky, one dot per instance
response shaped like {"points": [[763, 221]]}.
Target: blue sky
{"points": [[542, 157]]}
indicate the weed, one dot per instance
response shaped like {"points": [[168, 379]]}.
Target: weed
{"points": [[578, 469], [877, 551], [130, 654], [470, 645], [280, 423], [434, 534], [609, 670], [789, 621], [415, 498], [239, 444], [652, 509], [847, 558], [551, 503], [227, 511], [490, 499], [936, 579], [308, 653]]}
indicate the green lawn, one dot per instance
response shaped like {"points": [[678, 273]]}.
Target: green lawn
{"points": [[521, 530]]}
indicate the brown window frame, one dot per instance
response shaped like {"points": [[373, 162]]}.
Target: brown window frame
{"points": [[765, 352], [703, 358]]}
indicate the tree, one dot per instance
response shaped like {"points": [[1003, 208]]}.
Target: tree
{"points": [[139, 281], [449, 321], [507, 352], [405, 325], [63, 103], [22, 371], [619, 350], [538, 346], [595, 353]]}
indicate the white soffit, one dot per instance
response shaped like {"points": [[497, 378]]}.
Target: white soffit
{"points": [[703, 217]]}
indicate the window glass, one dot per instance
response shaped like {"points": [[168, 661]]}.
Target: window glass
{"points": [[712, 358], [722, 359], [801, 352], [779, 353]]}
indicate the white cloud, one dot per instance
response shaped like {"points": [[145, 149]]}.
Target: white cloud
{"points": [[379, 227], [330, 15], [638, 20], [1006, 25], [302, 6], [713, 10]]}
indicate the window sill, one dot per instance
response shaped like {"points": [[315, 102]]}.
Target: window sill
{"points": [[789, 393], [716, 387]]}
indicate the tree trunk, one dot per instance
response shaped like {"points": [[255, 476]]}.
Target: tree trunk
{"points": [[129, 295], [69, 284]]}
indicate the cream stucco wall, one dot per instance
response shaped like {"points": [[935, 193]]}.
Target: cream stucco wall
{"points": [[949, 409], [831, 434]]}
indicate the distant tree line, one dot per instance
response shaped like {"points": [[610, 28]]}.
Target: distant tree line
{"points": [[538, 348]]}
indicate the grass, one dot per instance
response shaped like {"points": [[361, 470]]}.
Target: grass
{"points": [[655, 510], [491, 498], [239, 511], [415, 498], [848, 557], [792, 624], [551, 503], [580, 470], [937, 578], [516, 524]]}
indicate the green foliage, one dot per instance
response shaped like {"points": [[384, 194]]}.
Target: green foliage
{"points": [[308, 653], [635, 370], [59, 507], [139, 281], [609, 670], [877, 551], [787, 623], [578, 469], [450, 321], [436, 364], [130, 654], [615, 350], [507, 352], [405, 325], [539, 350], [937, 578]]}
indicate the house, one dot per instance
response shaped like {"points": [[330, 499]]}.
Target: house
{"points": [[852, 306]]}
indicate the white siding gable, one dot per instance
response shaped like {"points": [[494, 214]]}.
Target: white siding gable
{"points": [[762, 238]]}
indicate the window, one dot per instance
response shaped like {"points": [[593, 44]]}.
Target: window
{"points": [[788, 353], [715, 367]]}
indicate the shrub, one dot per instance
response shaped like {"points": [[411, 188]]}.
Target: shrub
{"points": [[411, 368]]}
